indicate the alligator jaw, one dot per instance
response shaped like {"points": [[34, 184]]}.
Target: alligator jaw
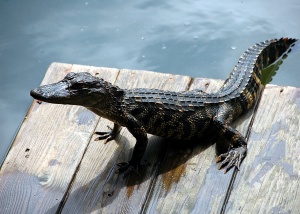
{"points": [[53, 93]]}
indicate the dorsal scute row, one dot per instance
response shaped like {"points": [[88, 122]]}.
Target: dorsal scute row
{"points": [[241, 85], [179, 101]]}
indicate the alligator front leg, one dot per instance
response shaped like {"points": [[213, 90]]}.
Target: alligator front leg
{"points": [[237, 149], [110, 135], [138, 131]]}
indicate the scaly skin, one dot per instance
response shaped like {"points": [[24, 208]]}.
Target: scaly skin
{"points": [[177, 115]]}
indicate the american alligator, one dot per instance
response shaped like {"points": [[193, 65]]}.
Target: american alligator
{"points": [[178, 115]]}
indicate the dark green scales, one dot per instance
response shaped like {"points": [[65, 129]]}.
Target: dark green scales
{"points": [[177, 115]]}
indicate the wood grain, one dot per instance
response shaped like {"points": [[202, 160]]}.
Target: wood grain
{"points": [[194, 185], [96, 187], [55, 165], [47, 150], [269, 180]]}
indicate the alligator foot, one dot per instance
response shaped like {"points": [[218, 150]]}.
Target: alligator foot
{"points": [[127, 168], [232, 158], [110, 135]]}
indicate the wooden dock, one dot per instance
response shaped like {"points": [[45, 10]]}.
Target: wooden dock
{"points": [[55, 166]]}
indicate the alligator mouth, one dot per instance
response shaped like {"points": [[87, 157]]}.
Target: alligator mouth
{"points": [[35, 93], [53, 93]]}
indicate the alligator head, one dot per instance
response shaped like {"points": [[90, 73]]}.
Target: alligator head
{"points": [[76, 89]]}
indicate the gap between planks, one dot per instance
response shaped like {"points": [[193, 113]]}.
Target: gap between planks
{"points": [[155, 178]]}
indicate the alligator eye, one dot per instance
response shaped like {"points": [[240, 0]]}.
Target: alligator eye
{"points": [[77, 85], [70, 75]]}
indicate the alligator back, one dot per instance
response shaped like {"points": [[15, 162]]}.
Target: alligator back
{"points": [[185, 115], [242, 83]]}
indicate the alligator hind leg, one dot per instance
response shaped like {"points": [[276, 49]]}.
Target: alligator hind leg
{"points": [[237, 148]]}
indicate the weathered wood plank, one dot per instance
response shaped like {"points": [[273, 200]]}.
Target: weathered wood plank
{"points": [[269, 179], [96, 187], [189, 181], [47, 150], [55, 164]]}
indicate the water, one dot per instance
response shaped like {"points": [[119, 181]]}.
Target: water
{"points": [[196, 38]]}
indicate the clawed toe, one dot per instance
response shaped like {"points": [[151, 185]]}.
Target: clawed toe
{"points": [[106, 136], [128, 168], [109, 135], [103, 135], [232, 158]]}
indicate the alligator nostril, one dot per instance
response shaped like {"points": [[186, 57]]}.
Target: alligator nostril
{"points": [[35, 92]]}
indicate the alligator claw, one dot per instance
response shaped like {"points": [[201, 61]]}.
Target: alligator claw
{"points": [[232, 158], [127, 168], [108, 136]]}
